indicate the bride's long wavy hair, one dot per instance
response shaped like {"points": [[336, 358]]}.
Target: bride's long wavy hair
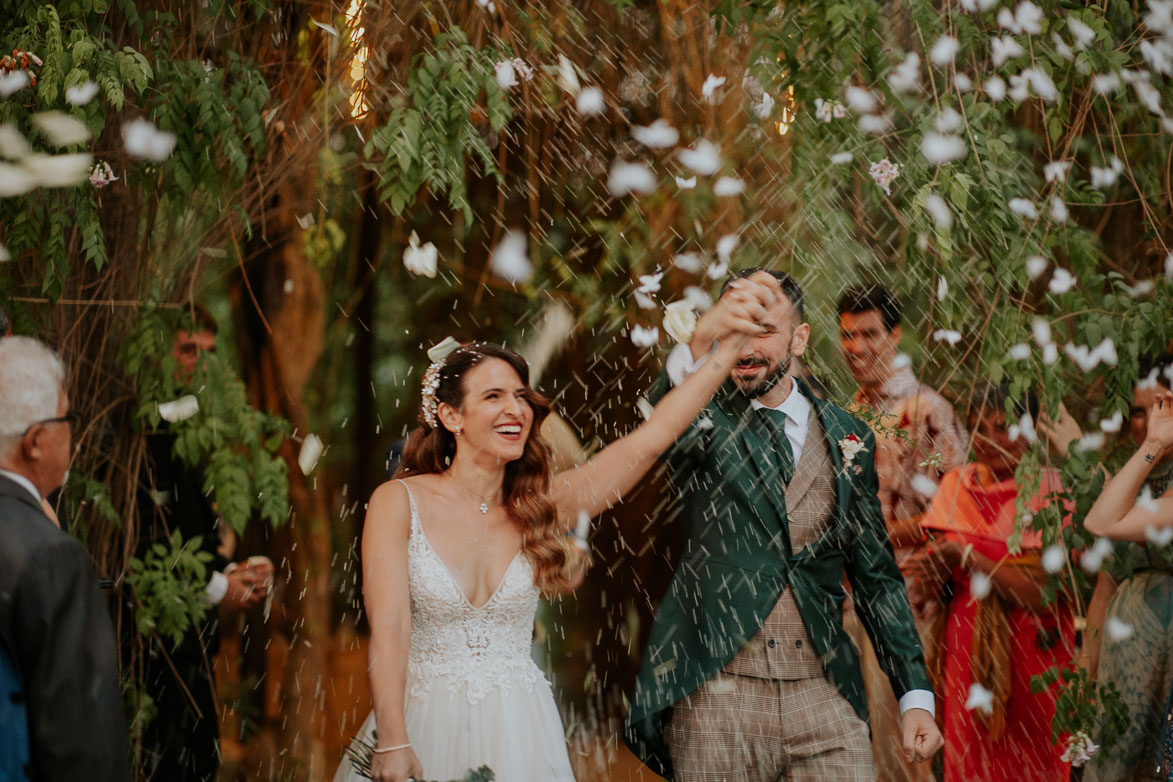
{"points": [[526, 489]]}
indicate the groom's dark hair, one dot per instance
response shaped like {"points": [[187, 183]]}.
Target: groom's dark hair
{"points": [[789, 287]]}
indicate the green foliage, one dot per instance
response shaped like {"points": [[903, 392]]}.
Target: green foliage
{"points": [[452, 101], [1084, 706], [168, 585]]}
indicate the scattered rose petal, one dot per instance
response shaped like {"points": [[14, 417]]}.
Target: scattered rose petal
{"points": [[841, 158], [1021, 206], [1117, 629], [61, 129], [658, 135], [686, 184], [948, 336], [709, 88], [939, 149], [81, 94], [1112, 425], [728, 186], [420, 261], [923, 485], [628, 178], [180, 409], [980, 585], [1019, 351], [1035, 266], [310, 452], [944, 50], [980, 698], [726, 245], [702, 157], [590, 102], [645, 337], [1053, 558], [510, 258], [1061, 281], [506, 74], [143, 140]]}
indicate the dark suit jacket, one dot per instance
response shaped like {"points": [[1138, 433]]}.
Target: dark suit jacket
{"points": [[738, 559], [14, 724], [53, 614]]}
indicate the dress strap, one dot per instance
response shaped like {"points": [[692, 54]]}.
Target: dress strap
{"points": [[415, 514]]}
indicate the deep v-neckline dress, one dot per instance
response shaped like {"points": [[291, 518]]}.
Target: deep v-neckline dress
{"points": [[474, 695]]}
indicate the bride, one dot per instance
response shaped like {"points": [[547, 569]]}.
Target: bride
{"points": [[459, 548]]}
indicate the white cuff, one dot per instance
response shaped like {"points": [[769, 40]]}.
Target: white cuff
{"points": [[680, 364], [918, 699], [217, 588]]}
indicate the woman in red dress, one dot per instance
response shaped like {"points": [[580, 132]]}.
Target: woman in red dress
{"points": [[998, 632]]}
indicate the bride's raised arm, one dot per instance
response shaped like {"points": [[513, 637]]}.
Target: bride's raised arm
{"points": [[601, 482]]}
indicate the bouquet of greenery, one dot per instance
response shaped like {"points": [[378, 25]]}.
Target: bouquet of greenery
{"points": [[361, 752]]}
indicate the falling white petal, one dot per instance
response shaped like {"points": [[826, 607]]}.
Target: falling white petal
{"points": [[938, 210], [650, 283], [1021, 206], [980, 698], [590, 102], [948, 336], [939, 149], [948, 121], [1003, 49], [1019, 351], [13, 145], [1035, 266], [944, 50], [61, 129], [906, 76], [645, 337], [59, 170], [628, 178], [1106, 83], [658, 135], [510, 258], [1083, 34], [980, 585], [689, 262], [728, 186], [1162, 536], [81, 94], [995, 87], [1117, 629], [505, 74], [310, 452], [644, 301], [703, 157], [11, 83], [709, 88], [329, 28], [726, 245], [1112, 425], [567, 76], [1053, 558], [841, 158], [15, 180], [942, 288], [180, 409], [421, 261], [1061, 281], [686, 183], [143, 140], [861, 101], [874, 124]]}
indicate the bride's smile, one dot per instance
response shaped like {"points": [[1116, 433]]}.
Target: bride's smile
{"points": [[495, 417]]}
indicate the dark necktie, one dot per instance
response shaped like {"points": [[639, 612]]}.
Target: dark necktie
{"points": [[775, 421]]}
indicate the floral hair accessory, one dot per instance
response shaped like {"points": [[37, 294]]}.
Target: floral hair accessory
{"points": [[438, 354]]}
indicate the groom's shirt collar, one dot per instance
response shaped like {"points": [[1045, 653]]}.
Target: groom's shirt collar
{"points": [[797, 409]]}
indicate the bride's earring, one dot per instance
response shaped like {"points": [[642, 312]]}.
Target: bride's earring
{"points": [[457, 432]]}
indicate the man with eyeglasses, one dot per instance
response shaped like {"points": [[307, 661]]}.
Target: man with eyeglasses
{"points": [[53, 620]]}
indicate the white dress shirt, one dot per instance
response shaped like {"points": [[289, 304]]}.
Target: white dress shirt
{"points": [[797, 409]]}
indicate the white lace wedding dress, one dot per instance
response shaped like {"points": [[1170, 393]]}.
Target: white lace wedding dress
{"points": [[474, 695]]}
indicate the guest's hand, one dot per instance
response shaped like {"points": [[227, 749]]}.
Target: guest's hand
{"points": [[922, 737], [398, 766], [247, 586], [1062, 432], [1160, 429]]}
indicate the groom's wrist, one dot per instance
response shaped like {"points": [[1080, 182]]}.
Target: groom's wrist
{"points": [[919, 699]]}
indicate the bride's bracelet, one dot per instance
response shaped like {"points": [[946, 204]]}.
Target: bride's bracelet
{"points": [[385, 750]]}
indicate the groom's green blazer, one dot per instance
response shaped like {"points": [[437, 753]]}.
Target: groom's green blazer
{"points": [[737, 559]]}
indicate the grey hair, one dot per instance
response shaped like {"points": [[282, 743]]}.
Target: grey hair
{"points": [[30, 377]]}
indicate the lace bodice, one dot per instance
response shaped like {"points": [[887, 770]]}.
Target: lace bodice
{"points": [[460, 646]]}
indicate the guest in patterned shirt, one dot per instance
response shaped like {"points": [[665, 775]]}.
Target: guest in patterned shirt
{"points": [[918, 439]]}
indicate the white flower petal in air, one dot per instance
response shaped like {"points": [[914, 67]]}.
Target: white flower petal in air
{"points": [[180, 409], [905, 77], [442, 349], [861, 101], [506, 74], [703, 157], [1007, 21], [980, 698], [1058, 209], [628, 178], [1112, 425], [1035, 266], [1019, 351], [310, 452], [510, 258], [962, 82], [1117, 629], [1029, 18], [1105, 83], [421, 261], [717, 270], [1041, 331], [1145, 502], [1092, 559], [645, 337], [923, 485], [938, 210], [1162, 536], [1003, 49], [944, 50], [15, 180], [689, 262], [658, 135], [680, 320], [948, 336], [940, 149], [1061, 281], [980, 585], [942, 288], [948, 121], [1050, 354], [1061, 48], [763, 107], [650, 283], [1084, 35], [143, 140], [995, 87], [644, 407], [567, 76], [12, 83], [61, 129], [1159, 55], [1056, 170], [13, 145], [709, 88], [59, 170], [1042, 85], [1103, 177], [1091, 442], [685, 184], [874, 124], [644, 301], [1021, 206], [590, 102], [728, 186], [841, 158], [726, 245], [81, 94], [699, 298], [1053, 558]]}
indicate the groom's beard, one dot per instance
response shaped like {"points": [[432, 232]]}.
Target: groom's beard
{"points": [[772, 374]]}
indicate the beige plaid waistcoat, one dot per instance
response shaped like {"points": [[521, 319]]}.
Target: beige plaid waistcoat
{"points": [[781, 648]]}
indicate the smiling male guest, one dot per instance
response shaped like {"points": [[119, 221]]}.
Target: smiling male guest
{"points": [[749, 674], [52, 616], [918, 438]]}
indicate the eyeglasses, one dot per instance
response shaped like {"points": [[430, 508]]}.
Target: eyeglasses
{"points": [[71, 418]]}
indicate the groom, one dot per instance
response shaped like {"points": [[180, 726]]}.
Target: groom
{"points": [[748, 674]]}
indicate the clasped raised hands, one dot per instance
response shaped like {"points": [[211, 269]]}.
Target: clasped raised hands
{"points": [[739, 311], [1159, 435]]}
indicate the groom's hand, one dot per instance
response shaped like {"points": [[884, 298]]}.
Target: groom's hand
{"points": [[922, 738], [740, 310]]}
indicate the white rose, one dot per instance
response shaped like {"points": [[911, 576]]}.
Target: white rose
{"points": [[419, 260], [680, 320]]}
